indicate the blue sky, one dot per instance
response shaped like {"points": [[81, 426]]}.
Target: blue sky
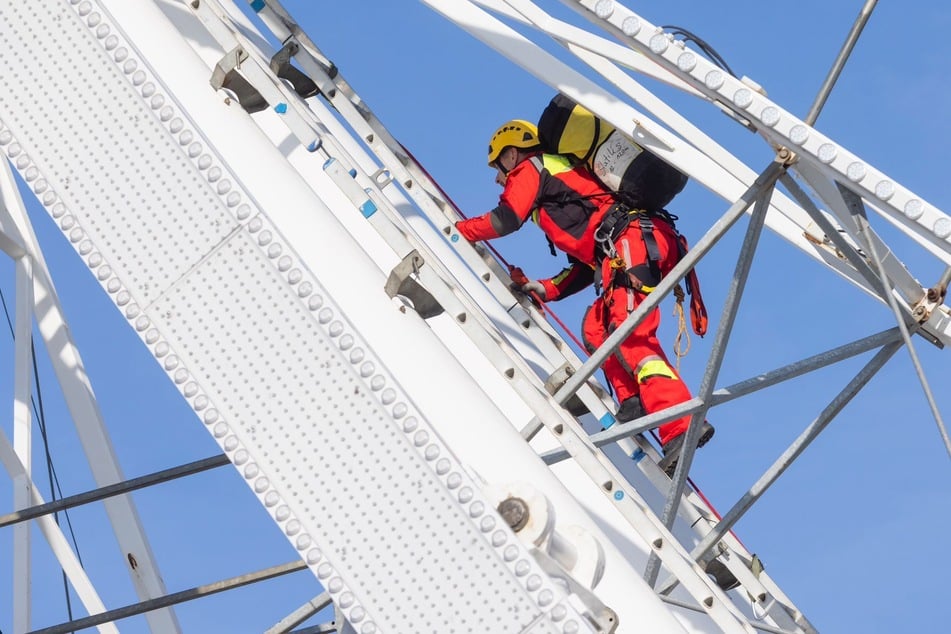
{"points": [[854, 532]]}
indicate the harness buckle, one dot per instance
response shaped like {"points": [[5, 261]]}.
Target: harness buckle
{"points": [[613, 223]]}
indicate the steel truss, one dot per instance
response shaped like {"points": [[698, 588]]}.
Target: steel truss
{"points": [[859, 255]]}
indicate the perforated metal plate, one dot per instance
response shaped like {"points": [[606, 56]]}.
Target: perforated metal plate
{"points": [[359, 482]]}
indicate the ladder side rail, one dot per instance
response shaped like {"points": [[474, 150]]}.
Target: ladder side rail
{"points": [[632, 88], [659, 480], [799, 445], [80, 399], [698, 139], [526, 383], [788, 221], [328, 124], [928, 224], [225, 130], [220, 24], [373, 135], [783, 615], [742, 388], [408, 173], [438, 255], [701, 519], [539, 401]]}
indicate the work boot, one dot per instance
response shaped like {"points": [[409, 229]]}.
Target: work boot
{"points": [[674, 446], [630, 409], [722, 575]]}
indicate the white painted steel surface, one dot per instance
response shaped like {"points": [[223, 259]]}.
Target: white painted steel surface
{"points": [[262, 349], [704, 163], [932, 225], [258, 287], [634, 551]]}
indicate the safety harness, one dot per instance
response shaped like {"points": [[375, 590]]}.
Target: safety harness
{"points": [[614, 223], [645, 278]]}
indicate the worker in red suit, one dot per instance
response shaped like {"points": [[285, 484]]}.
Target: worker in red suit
{"points": [[629, 250]]}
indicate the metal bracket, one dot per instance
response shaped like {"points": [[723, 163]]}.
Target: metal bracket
{"points": [[226, 76], [281, 65], [600, 615], [574, 405], [400, 282]]}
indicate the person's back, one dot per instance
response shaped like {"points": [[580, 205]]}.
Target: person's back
{"points": [[628, 250], [564, 199]]}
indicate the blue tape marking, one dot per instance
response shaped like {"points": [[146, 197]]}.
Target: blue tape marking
{"points": [[619, 495], [368, 208], [280, 108], [314, 145], [353, 173], [638, 455], [607, 421], [258, 5], [329, 162]]}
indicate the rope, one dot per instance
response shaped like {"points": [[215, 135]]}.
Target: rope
{"points": [[682, 340], [498, 256]]}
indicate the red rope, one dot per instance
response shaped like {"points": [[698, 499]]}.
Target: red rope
{"points": [[545, 309], [498, 256]]}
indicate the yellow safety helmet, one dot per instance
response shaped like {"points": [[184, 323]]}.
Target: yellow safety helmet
{"points": [[517, 133]]}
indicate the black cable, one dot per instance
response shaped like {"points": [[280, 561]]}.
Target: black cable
{"points": [[705, 48], [51, 474], [39, 414]]}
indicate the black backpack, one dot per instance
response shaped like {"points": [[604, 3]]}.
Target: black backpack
{"points": [[641, 179]]}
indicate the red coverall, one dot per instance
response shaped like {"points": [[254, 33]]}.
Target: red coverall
{"points": [[568, 203]]}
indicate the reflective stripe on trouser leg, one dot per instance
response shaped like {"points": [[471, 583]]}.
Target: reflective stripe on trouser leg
{"points": [[654, 366], [594, 332]]}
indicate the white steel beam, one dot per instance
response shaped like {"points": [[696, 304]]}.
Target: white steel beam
{"points": [[81, 402], [242, 251], [54, 536], [928, 225], [580, 41], [22, 441], [478, 330], [785, 217]]}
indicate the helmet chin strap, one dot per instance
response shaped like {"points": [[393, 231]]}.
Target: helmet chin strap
{"points": [[498, 161]]}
